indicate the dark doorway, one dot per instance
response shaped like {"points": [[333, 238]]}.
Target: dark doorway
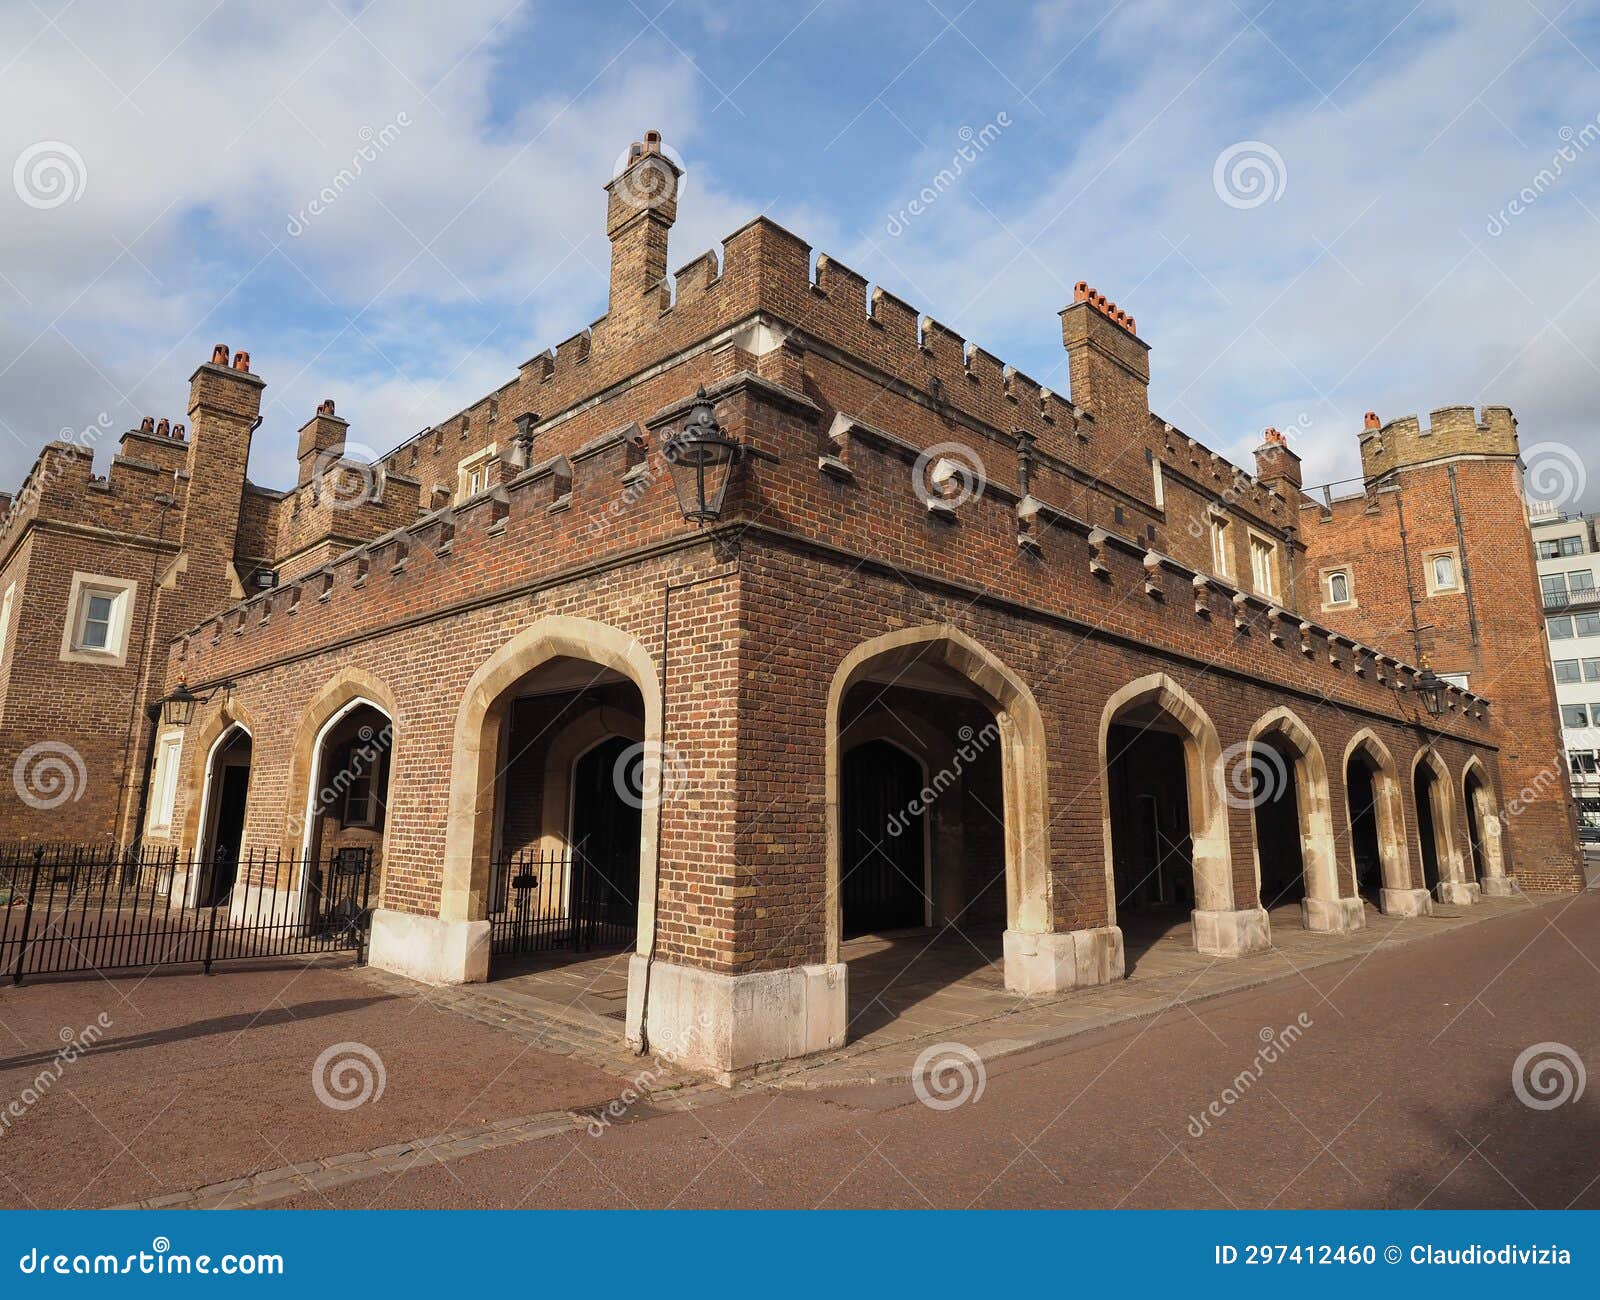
{"points": [[1152, 853], [1361, 791], [607, 804], [1277, 811], [227, 799], [882, 877], [1427, 836]]}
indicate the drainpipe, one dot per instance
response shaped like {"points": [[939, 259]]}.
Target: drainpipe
{"points": [[1405, 557], [1461, 548]]}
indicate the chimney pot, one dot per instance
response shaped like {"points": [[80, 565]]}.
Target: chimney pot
{"points": [[241, 361], [147, 425], [1372, 420], [219, 355]]}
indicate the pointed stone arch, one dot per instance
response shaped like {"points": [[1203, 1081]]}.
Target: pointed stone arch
{"points": [[1325, 907], [346, 689], [1478, 796], [230, 717], [1398, 894], [1453, 886], [1220, 928], [469, 818], [1036, 957]]}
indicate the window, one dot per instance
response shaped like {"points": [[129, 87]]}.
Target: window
{"points": [[1554, 586], [1567, 671], [1560, 546], [1548, 550], [1264, 564], [1587, 624], [1591, 670], [1560, 629], [1583, 762], [1461, 680], [6, 602], [361, 764], [1221, 547], [472, 474], [164, 782], [1581, 580], [99, 613], [1158, 484], [1574, 715], [1337, 588], [1441, 572]]}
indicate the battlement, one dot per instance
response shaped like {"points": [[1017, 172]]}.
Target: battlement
{"points": [[1451, 431]]}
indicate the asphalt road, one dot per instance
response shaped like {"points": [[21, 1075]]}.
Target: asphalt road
{"points": [[1397, 1092]]}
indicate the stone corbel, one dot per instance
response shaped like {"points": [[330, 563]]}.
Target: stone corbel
{"points": [[1201, 585], [1027, 525], [1241, 612], [1152, 576], [1306, 648], [834, 460], [1097, 554], [1276, 617]]}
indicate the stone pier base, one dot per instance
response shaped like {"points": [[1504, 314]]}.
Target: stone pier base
{"points": [[1499, 886], [1333, 915], [1232, 934], [428, 949], [1458, 891], [724, 1024], [1405, 902], [1050, 963]]}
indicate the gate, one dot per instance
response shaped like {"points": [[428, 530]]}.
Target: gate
{"points": [[549, 902], [90, 908]]}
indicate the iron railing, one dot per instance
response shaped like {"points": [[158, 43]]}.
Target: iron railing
{"points": [[1580, 598], [547, 902], [92, 908]]}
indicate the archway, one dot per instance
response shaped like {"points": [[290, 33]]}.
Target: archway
{"points": [[1378, 855], [936, 790], [1485, 831], [223, 803], [1282, 776], [1167, 849], [1435, 806], [556, 778]]}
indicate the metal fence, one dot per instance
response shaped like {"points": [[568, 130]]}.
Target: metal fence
{"points": [[92, 908], [549, 902]]}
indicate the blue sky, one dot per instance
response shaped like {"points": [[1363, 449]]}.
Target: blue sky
{"points": [[1381, 266]]}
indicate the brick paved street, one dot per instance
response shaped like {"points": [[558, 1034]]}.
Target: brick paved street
{"points": [[201, 1092]]}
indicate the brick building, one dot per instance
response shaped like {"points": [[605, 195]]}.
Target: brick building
{"points": [[952, 649]]}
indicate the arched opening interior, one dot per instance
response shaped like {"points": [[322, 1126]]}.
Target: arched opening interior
{"points": [[573, 787], [1427, 789], [1274, 774], [348, 809], [922, 892], [1366, 848], [227, 796]]}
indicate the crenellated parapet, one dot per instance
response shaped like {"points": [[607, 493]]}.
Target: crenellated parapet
{"points": [[1450, 431]]}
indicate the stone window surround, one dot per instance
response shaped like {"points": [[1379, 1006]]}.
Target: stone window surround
{"points": [[124, 592], [165, 780], [1428, 557], [1327, 577], [467, 465], [1257, 538]]}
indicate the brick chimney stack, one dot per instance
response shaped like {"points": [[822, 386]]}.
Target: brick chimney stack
{"points": [[641, 205], [1276, 465], [324, 432], [224, 408], [1108, 362]]}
